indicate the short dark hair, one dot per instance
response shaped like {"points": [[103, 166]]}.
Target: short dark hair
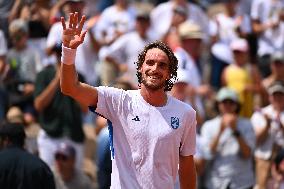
{"points": [[14, 132], [173, 62]]}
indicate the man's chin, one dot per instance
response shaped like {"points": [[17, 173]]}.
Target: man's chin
{"points": [[153, 87]]}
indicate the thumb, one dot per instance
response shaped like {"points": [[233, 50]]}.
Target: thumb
{"points": [[82, 36]]}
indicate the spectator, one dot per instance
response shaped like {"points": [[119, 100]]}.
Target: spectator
{"points": [[60, 117], [229, 143], [179, 16], [15, 115], [87, 56], [242, 77], [267, 22], [18, 168], [36, 13], [24, 64], [268, 125], [124, 51], [108, 29], [67, 176], [224, 28], [190, 37], [162, 14], [277, 70]]}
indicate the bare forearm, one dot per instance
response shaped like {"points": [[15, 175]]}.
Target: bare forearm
{"points": [[258, 27], [69, 79], [44, 99], [187, 173], [214, 144], [14, 13], [188, 181], [85, 94]]}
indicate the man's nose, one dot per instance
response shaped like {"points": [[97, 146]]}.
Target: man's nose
{"points": [[155, 67]]}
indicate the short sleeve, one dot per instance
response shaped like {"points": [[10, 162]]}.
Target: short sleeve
{"points": [[110, 102], [188, 141], [258, 121]]}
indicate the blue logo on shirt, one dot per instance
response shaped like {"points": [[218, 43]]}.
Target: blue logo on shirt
{"points": [[174, 122]]}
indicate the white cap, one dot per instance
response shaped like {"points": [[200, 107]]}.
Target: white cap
{"points": [[239, 45]]}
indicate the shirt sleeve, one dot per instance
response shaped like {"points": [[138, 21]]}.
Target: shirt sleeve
{"points": [[258, 121], [255, 10], [110, 102], [188, 141]]}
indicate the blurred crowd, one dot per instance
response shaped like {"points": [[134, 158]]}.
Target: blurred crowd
{"points": [[231, 70]]}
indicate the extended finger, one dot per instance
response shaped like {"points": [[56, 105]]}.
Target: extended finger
{"points": [[63, 23], [82, 36], [71, 20], [82, 21], [75, 20]]}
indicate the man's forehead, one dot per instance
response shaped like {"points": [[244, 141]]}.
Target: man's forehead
{"points": [[156, 53]]}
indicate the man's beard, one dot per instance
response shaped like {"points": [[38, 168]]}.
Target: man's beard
{"points": [[152, 86]]}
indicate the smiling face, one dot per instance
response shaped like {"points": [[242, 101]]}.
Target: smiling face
{"points": [[155, 69]]}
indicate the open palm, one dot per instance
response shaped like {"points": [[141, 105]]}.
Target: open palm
{"points": [[73, 36]]}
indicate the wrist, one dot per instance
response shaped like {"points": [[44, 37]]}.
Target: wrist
{"points": [[68, 55]]}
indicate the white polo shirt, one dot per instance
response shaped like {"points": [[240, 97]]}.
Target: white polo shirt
{"points": [[146, 140]]}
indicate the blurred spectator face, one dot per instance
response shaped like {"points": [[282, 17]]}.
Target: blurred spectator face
{"points": [[193, 46], [241, 57], [18, 30], [231, 5], [277, 67], [71, 7], [277, 100], [121, 2], [64, 163], [191, 38], [19, 39], [142, 25], [227, 106], [180, 1]]}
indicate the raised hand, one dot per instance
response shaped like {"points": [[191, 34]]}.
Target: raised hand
{"points": [[73, 36]]}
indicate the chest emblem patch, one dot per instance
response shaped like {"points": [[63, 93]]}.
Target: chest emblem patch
{"points": [[174, 122]]}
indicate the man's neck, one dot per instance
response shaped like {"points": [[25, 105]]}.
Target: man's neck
{"points": [[156, 98]]}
